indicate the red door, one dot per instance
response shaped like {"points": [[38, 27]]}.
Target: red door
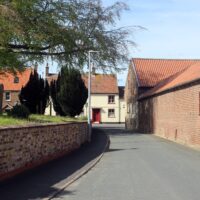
{"points": [[96, 115]]}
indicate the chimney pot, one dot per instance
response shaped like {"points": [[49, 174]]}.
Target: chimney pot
{"points": [[36, 67], [47, 70]]}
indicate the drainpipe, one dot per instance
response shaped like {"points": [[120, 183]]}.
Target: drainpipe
{"points": [[119, 111]]}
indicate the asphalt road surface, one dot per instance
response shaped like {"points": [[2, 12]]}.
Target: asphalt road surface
{"points": [[140, 167]]}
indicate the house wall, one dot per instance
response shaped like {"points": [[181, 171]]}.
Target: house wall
{"points": [[1, 97], [174, 115], [101, 101], [122, 111], [131, 95], [14, 98], [49, 110], [22, 148]]}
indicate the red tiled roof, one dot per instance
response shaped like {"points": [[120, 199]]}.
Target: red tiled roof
{"points": [[151, 71], [102, 83], [188, 75], [7, 79]]}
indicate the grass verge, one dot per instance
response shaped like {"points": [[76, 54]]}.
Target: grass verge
{"points": [[6, 121]]}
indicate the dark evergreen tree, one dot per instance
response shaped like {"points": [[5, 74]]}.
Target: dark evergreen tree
{"points": [[72, 93], [54, 89], [35, 94]]}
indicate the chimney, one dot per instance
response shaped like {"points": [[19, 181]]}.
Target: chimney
{"points": [[36, 67], [47, 70]]}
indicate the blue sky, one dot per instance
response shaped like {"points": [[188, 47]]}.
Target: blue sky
{"points": [[172, 29]]}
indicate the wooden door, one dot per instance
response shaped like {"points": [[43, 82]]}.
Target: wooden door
{"points": [[96, 116]]}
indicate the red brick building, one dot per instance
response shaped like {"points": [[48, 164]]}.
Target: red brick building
{"points": [[165, 98], [12, 85]]}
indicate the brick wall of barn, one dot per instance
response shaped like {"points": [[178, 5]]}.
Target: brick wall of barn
{"points": [[174, 115], [131, 95]]}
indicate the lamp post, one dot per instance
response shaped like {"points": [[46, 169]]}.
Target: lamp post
{"points": [[89, 94]]}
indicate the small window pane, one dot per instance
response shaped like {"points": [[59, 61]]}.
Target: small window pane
{"points": [[16, 79], [7, 96], [111, 113], [111, 99]]}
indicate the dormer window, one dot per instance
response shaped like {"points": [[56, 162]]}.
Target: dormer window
{"points": [[16, 79]]}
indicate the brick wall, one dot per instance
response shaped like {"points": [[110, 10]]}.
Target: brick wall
{"points": [[14, 98], [131, 95], [22, 148], [1, 97], [173, 115]]}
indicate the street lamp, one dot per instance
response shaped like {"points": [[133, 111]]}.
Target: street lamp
{"points": [[89, 94]]}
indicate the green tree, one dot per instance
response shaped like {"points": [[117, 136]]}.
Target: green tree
{"points": [[72, 94], [54, 89], [34, 95], [63, 30]]}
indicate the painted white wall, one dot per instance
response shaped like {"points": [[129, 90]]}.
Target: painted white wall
{"points": [[49, 109], [123, 110], [101, 101]]}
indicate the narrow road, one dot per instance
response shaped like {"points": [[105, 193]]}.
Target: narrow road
{"points": [[140, 167]]}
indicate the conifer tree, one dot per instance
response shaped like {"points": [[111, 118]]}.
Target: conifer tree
{"points": [[34, 95], [71, 91], [54, 88]]}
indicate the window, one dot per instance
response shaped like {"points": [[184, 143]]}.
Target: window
{"points": [[8, 96], [111, 99], [111, 113], [16, 79]]}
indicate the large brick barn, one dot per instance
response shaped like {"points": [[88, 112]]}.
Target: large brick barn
{"points": [[163, 97]]}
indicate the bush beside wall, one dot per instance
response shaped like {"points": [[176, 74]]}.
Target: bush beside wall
{"points": [[22, 148]]}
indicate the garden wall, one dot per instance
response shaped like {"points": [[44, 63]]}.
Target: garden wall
{"points": [[22, 148]]}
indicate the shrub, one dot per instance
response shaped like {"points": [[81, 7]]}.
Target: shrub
{"points": [[72, 94], [19, 111]]}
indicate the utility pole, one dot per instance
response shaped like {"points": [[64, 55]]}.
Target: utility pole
{"points": [[89, 95]]}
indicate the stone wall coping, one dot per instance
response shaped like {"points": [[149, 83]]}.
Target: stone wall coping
{"points": [[38, 125]]}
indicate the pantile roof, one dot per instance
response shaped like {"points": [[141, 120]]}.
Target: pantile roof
{"points": [[150, 72], [7, 79], [186, 76], [102, 83]]}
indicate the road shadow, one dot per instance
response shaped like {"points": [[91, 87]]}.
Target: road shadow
{"points": [[39, 182], [115, 150], [116, 130]]}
